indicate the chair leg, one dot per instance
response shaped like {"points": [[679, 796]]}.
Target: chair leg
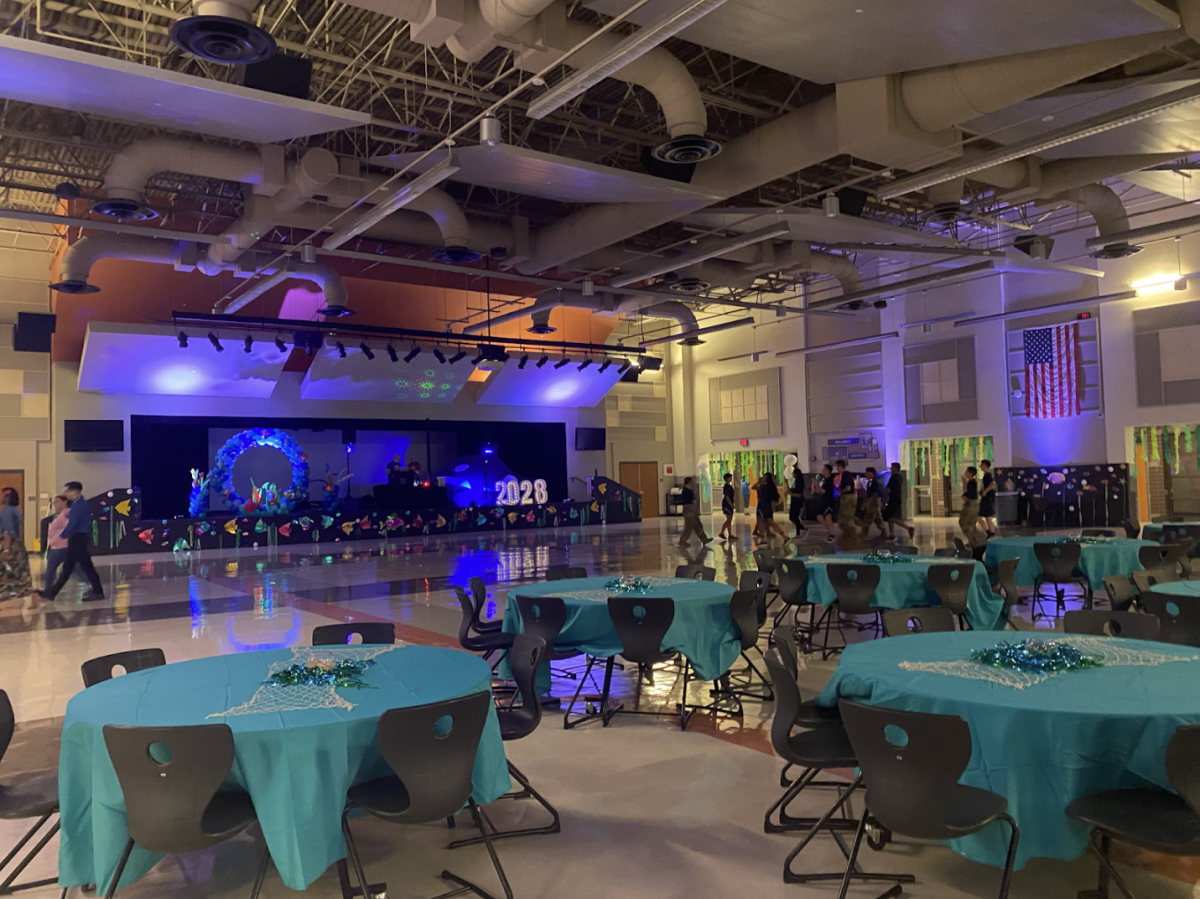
{"points": [[603, 712], [528, 791], [1098, 843], [360, 875], [858, 838], [1010, 859], [116, 878], [262, 871], [466, 885], [7, 886]]}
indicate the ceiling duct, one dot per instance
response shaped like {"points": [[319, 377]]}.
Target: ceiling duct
{"points": [[689, 285], [223, 31], [945, 200], [541, 322], [1106, 208]]}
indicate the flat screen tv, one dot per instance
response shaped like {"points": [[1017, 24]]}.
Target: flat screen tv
{"points": [[98, 436], [589, 439]]}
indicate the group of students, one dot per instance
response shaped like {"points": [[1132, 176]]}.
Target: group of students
{"points": [[977, 520], [68, 540]]}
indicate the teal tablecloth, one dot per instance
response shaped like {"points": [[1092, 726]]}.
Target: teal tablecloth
{"points": [[296, 765], [906, 584], [1154, 533], [702, 629], [1097, 561], [1040, 744], [1178, 588]]}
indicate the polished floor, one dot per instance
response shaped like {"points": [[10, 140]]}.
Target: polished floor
{"points": [[647, 810]]}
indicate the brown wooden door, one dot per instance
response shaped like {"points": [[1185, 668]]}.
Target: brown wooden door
{"points": [[642, 477]]}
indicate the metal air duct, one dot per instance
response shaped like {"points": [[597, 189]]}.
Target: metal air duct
{"points": [[223, 31], [1106, 208], [80, 256]]}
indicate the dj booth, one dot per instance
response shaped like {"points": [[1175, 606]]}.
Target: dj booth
{"points": [[394, 497]]}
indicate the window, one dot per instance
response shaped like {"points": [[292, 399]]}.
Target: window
{"points": [[744, 404], [939, 382]]}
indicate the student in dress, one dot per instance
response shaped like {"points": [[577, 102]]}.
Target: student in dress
{"points": [[969, 517], [727, 508], [872, 504], [847, 491], [691, 516], [768, 496], [15, 578], [895, 500], [823, 487], [796, 503], [56, 543], [987, 499]]}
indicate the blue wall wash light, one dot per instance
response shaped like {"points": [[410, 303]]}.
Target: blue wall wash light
{"points": [[489, 450]]}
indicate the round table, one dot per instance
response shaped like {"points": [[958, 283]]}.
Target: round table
{"points": [[1042, 743], [1096, 561], [297, 750], [1178, 588], [903, 585], [1154, 533], [702, 629]]}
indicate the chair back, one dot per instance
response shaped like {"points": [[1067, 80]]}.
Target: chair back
{"points": [[100, 669], [1132, 528], [1119, 590], [1097, 532], [696, 572], [1183, 764], [1006, 575], [543, 616], [743, 609], [1178, 615], [1148, 578], [374, 632], [785, 647], [478, 599], [853, 585], [792, 576], [788, 703], [169, 776], [759, 582], [921, 620], [8, 723], [1165, 555], [642, 622], [1058, 561], [565, 573], [526, 654], [765, 560], [946, 552], [1101, 623], [466, 623], [906, 550], [952, 584], [909, 761], [431, 749]]}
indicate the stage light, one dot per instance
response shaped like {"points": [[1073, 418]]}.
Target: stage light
{"points": [[585, 363], [391, 351], [605, 365], [247, 344], [280, 345], [524, 359], [182, 340], [561, 362], [212, 338], [349, 448], [624, 367], [412, 354], [366, 350], [438, 354], [489, 450], [542, 361], [482, 355], [458, 357], [650, 363], [341, 348]]}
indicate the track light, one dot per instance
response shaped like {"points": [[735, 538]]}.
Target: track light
{"points": [[391, 351], [341, 348], [366, 350], [560, 363], [182, 340], [247, 344], [524, 359], [212, 338], [542, 361], [479, 358], [585, 363], [605, 365], [458, 357], [412, 354], [624, 367], [438, 354], [280, 345]]}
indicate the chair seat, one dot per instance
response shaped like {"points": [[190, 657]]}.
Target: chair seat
{"points": [[228, 813], [825, 747], [489, 641], [385, 797], [489, 627], [813, 715], [29, 797], [1152, 819]]}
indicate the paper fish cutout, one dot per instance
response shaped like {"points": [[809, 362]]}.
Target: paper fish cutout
{"points": [[366, 523], [462, 516], [553, 510], [574, 513], [326, 521], [181, 545], [231, 525], [441, 522], [393, 522], [123, 506], [285, 530], [529, 516], [595, 507], [147, 536], [482, 520], [602, 488], [260, 527], [417, 522], [305, 522], [512, 517], [348, 526], [203, 527]]}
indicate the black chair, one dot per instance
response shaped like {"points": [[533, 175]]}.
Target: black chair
{"points": [[1006, 577], [544, 616], [1167, 555], [173, 797], [696, 572], [743, 609], [952, 584], [912, 780], [946, 552], [1119, 590], [906, 550], [1150, 577], [484, 643], [431, 776], [811, 715], [1147, 818], [1059, 561], [921, 620], [961, 550], [518, 722], [854, 586], [565, 573], [814, 751], [1097, 532], [1100, 623], [1178, 615], [641, 623], [33, 796], [479, 597], [1132, 528], [765, 561], [791, 575], [378, 633], [759, 582], [101, 668]]}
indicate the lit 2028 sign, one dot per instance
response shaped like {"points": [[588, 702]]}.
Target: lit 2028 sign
{"points": [[511, 492]]}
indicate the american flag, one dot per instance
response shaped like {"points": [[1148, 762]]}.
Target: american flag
{"points": [[1053, 370]]}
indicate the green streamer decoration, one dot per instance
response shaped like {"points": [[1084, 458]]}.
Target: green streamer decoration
{"points": [[1187, 440], [1154, 442]]}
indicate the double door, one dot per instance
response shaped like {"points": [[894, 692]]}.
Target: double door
{"points": [[642, 477]]}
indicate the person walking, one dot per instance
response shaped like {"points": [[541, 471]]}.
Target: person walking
{"points": [[78, 534], [768, 496], [969, 517], [796, 503], [823, 489], [15, 579], [727, 507], [56, 543], [847, 491], [987, 499], [895, 501], [872, 504], [691, 516]]}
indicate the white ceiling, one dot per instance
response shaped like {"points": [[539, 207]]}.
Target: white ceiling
{"points": [[839, 40]]}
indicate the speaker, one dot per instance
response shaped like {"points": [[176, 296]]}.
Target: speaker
{"points": [[852, 201], [31, 333], [349, 435], [281, 74]]}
